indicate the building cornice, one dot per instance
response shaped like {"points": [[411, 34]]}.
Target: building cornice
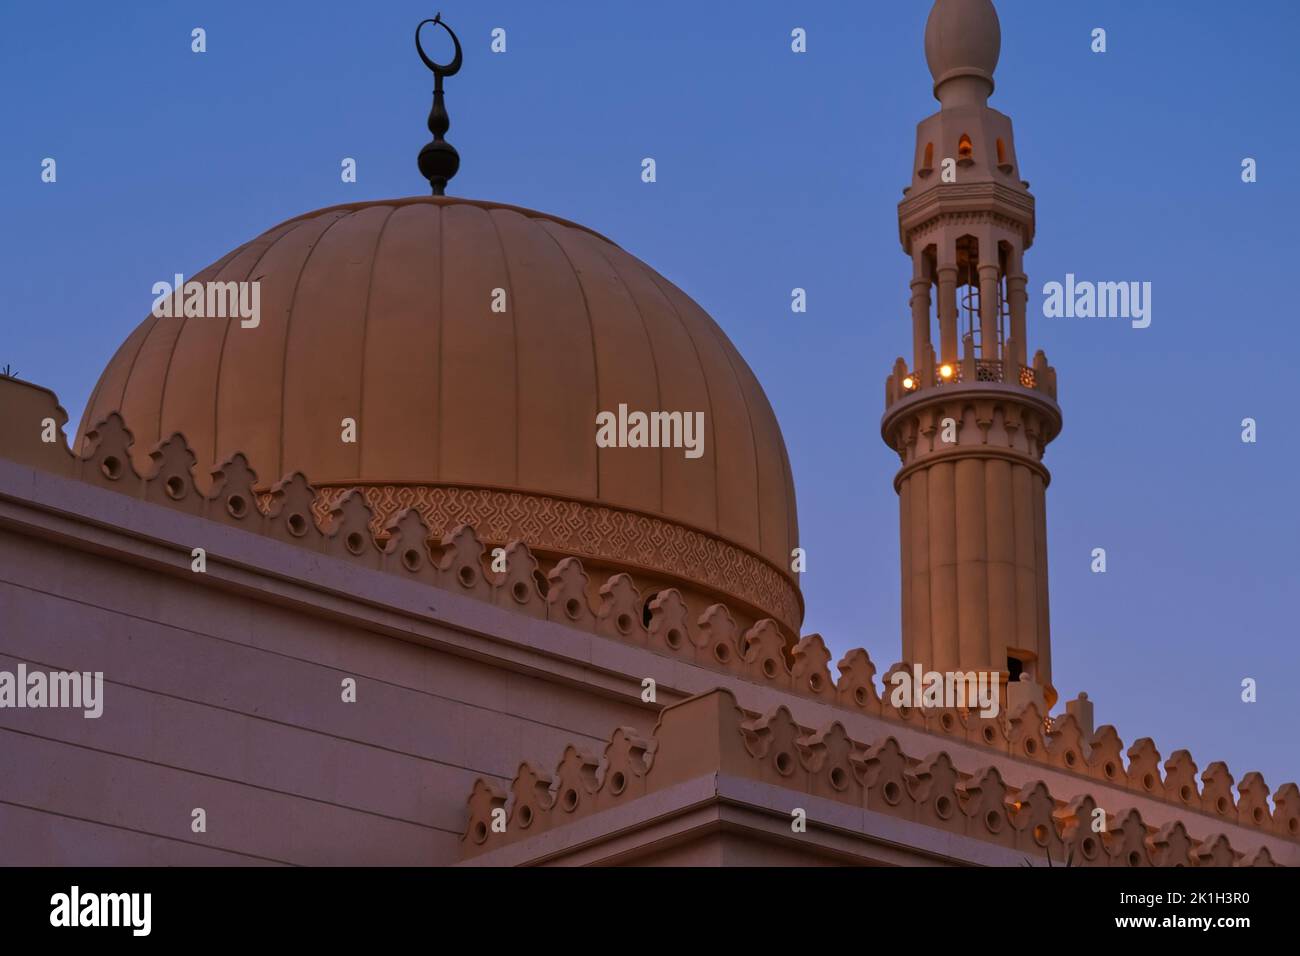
{"points": [[971, 203]]}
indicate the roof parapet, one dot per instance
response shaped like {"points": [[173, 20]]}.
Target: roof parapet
{"points": [[456, 559], [710, 734]]}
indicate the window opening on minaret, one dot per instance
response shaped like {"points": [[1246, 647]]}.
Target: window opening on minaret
{"points": [[965, 149], [970, 308], [968, 297], [1003, 163], [1015, 667]]}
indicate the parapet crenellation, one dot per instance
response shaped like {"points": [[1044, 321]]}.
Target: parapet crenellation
{"points": [[710, 733]]}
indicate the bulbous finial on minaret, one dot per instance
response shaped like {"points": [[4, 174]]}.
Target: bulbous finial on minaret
{"points": [[439, 160], [962, 41]]}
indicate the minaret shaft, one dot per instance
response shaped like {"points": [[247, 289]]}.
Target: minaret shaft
{"points": [[974, 570]]}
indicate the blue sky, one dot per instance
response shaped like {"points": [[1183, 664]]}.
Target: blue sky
{"points": [[775, 170]]}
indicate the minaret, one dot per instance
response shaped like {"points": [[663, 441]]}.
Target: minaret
{"points": [[971, 419]]}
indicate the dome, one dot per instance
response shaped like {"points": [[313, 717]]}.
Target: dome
{"points": [[382, 312], [962, 39]]}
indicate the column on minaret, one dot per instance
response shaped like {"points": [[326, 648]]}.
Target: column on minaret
{"points": [[918, 642], [972, 564], [1017, 298], [989, 275], [905, 554], [1026, 537], [1044, 645], [921, 282], [947, 303], [1000, 496], [941, 522]]}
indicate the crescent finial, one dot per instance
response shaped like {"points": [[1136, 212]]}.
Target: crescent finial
{"points": [[438, 69]]}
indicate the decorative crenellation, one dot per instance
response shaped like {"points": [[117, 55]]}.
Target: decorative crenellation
{"points": [[981, 421], [458, 561], [710, 733], [918, 233]]}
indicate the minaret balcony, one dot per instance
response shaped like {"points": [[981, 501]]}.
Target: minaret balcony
{"points": [[908, 384], [986, 370], [992, 408]]}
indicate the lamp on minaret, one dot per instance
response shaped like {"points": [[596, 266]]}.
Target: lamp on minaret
{"points": [[439, 160], [970, 422]]}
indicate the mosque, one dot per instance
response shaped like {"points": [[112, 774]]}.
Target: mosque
{"points": [[351, 606]]}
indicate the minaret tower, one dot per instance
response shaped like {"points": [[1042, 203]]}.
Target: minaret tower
{"points": [[970, 416]]}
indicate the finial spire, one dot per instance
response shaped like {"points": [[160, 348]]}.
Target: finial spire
{"points": [[439, 160]]}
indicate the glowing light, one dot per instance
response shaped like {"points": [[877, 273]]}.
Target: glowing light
{"points": [[945, 371], [909, 383]]}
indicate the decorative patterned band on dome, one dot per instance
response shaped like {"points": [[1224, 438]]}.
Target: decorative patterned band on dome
{"points": [[587, 531]]}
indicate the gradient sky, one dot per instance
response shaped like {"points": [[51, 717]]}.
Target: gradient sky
{"points": [[775, 170]]}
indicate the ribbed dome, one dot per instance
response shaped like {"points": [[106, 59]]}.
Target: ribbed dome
{"points": [[381, 312]]}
